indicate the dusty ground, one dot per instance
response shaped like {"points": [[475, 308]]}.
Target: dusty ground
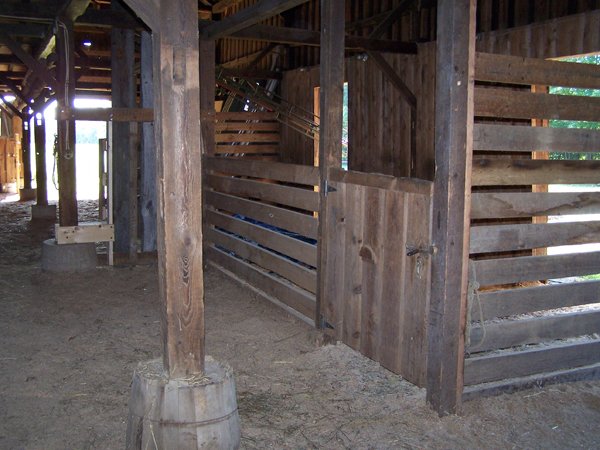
{"points": [[70, 344]]}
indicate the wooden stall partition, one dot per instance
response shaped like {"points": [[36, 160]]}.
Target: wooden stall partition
{"points": [[378, 278], [260, 227], [533, 318], [248, 134], [9, 167]]}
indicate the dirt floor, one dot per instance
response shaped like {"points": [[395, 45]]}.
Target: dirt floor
{"points": [[70, 344]]}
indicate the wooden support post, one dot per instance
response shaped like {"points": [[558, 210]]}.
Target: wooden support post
{"points": [[148, 155], [65, 95], [451, 203], [331, 125], [207, 95], [39, 131], [176, 82], [123, 96], [26, 152]]}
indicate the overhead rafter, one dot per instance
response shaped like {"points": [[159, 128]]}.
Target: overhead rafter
{"points": [[301, 36], [221, 6], [13, 87], [34, 65], [10, 106], [251, 15]]}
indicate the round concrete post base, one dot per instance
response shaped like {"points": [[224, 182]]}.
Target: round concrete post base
{"points": [[26, 195], [193, 413], [43, 212], [68, 257]]}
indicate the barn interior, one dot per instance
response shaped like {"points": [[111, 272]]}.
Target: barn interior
{"points": [[413, 178]]}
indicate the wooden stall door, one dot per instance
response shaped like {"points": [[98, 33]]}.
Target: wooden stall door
{"points": [[378, 268]]}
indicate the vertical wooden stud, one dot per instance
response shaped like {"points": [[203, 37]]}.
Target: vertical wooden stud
{"points": [[40, 161]]}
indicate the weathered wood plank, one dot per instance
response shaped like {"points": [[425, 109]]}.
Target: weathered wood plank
{"points": [[504, 205], [511, 333], [285, 195], [302, 276], [507, 302], [514, 172], [245, 126], [258, 149], [528, 268], [288, 294], [244, 116], [511, 104], [502, 238], [382, 181], [109, 114], [246, 137], [508, 138], [303, 224], [529, 71], [290, 173], [294, 248], [483, 369]]}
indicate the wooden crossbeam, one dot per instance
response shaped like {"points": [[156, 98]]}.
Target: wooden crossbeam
{"points": [[298, 36], [258, 12], [38, 69], [10, 106], [13, 87], [221, 6]]}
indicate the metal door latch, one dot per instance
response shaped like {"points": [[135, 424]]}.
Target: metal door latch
{"points": [[412, 250]]}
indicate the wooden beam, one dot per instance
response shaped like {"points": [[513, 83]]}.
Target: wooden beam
{"points": [[390, 18], [176, 84], [251, 15], [451, 202], [109, 114], [65, 96], [26, 152], [148, 11], [10, 106], [222, 5], [40, 161], [393, 77], [13, 88], [331, 125], [38, 69], [298, 36]]}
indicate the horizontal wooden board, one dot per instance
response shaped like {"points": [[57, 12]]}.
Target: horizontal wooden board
{"points": [[247, 126], [537, 381], [508, 302], [509, 138], [511, 333], [303, 224], [381, 181], [503, 238], [296, 273], [514, 172], [291, 173], [492, 205], [483, 369], [244, 116], [294, 248], [285, 292], [246, 137], [268, 149], [530, 71], [510, 104], [295, 197], [529, 268]]}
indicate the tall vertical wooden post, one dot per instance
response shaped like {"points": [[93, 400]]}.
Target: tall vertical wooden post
{"points": [[65, 95], [40, 161], [123, 96], [207, 94], [331, 121], [148, 202], [169, 408], [26, 152], [451, 202], [177, 107]]}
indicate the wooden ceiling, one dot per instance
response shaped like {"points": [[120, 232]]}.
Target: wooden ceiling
{"points": [[28, 58]]}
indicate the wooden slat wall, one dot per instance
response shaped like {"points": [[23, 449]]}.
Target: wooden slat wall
{"points": [[378, 296], [255, 134], [378, 116], [9, 159], [260, 225], [507, 290]]}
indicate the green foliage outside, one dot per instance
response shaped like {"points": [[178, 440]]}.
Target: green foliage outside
{"points": [[590, 59]]}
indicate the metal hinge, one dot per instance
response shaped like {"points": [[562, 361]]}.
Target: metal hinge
{"points": [[327, 188]]}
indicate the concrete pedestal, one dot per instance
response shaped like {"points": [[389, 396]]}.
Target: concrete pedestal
{"points": [[192, 413], [43, 212], [26, 195], [68, 257]]}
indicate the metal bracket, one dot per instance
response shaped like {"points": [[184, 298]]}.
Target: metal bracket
{"points": [[327, 188], [412, 250]]}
